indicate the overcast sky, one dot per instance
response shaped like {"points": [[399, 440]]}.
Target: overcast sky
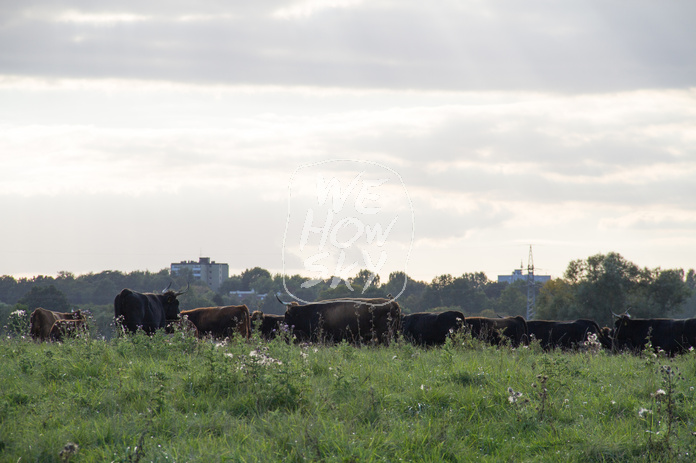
{"points": [[138, 134]]}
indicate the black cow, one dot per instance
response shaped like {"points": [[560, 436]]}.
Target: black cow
{"points": [[671, 335], [267, 324], [358, 320], [431, 328], [148, 311], [553, 334], [493, 330]]}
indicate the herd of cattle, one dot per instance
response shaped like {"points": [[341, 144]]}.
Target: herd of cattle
{"points": [[369, 321]]}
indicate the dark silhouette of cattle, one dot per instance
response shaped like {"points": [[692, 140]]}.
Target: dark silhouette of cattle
{"points": [[63, 329], [268, 325], [220, 322], [356, 320], [42, 321], [146, 311], [498, 330], [607, 337], [431, 328], [671, 335], [553, 334]]}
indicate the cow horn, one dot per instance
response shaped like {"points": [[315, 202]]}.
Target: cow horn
{"points": [[284, 303], [167, 288], [615, 315], [179, 293]]}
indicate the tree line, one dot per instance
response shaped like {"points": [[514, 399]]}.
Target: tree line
{"points": [[590, 288]]}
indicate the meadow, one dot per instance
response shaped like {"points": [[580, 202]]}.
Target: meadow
{"points": [[174, 398]]}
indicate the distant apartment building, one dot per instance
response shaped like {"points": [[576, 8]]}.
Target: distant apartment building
{"points": [[517, 275], [204, 270]]}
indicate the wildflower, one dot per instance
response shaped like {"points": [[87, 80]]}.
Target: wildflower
{"points": [[643, 411], [514, 396], [69, 450], [659, 393], [264, 359]]}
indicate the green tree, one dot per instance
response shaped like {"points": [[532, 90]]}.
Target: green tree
{"points": [[666, 292], [468, 292], [47, 297], [408, 290], [8, 290], [233, 283], [250, 275], [513, 299], [556, 301], [691, 279], [603, 284]]}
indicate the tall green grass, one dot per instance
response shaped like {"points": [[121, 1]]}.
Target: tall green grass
{"points": [[176, 398]]}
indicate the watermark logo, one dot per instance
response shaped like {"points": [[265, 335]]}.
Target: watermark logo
{"points": [[348, 221]]}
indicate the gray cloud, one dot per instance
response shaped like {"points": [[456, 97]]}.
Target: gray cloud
{"points": [[578, 46], [191, 118]]}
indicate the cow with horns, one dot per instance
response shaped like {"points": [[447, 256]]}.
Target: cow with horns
{"points": [[147, 311], [671, 335], [553, 334], [356, 320]]}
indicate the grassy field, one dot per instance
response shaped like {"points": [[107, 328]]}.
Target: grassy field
{"points": [[173, 398]]}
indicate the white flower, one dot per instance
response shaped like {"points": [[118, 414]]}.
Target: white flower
{"points": [[660, 392], [643, 411]]}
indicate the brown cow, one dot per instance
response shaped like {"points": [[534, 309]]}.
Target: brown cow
{"points": [[267, 324], [42, 321], [220, 322], [62, 329]]}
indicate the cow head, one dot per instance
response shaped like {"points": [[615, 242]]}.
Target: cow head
{"points": [[288, 305], [171, 303], [622, 320]]}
